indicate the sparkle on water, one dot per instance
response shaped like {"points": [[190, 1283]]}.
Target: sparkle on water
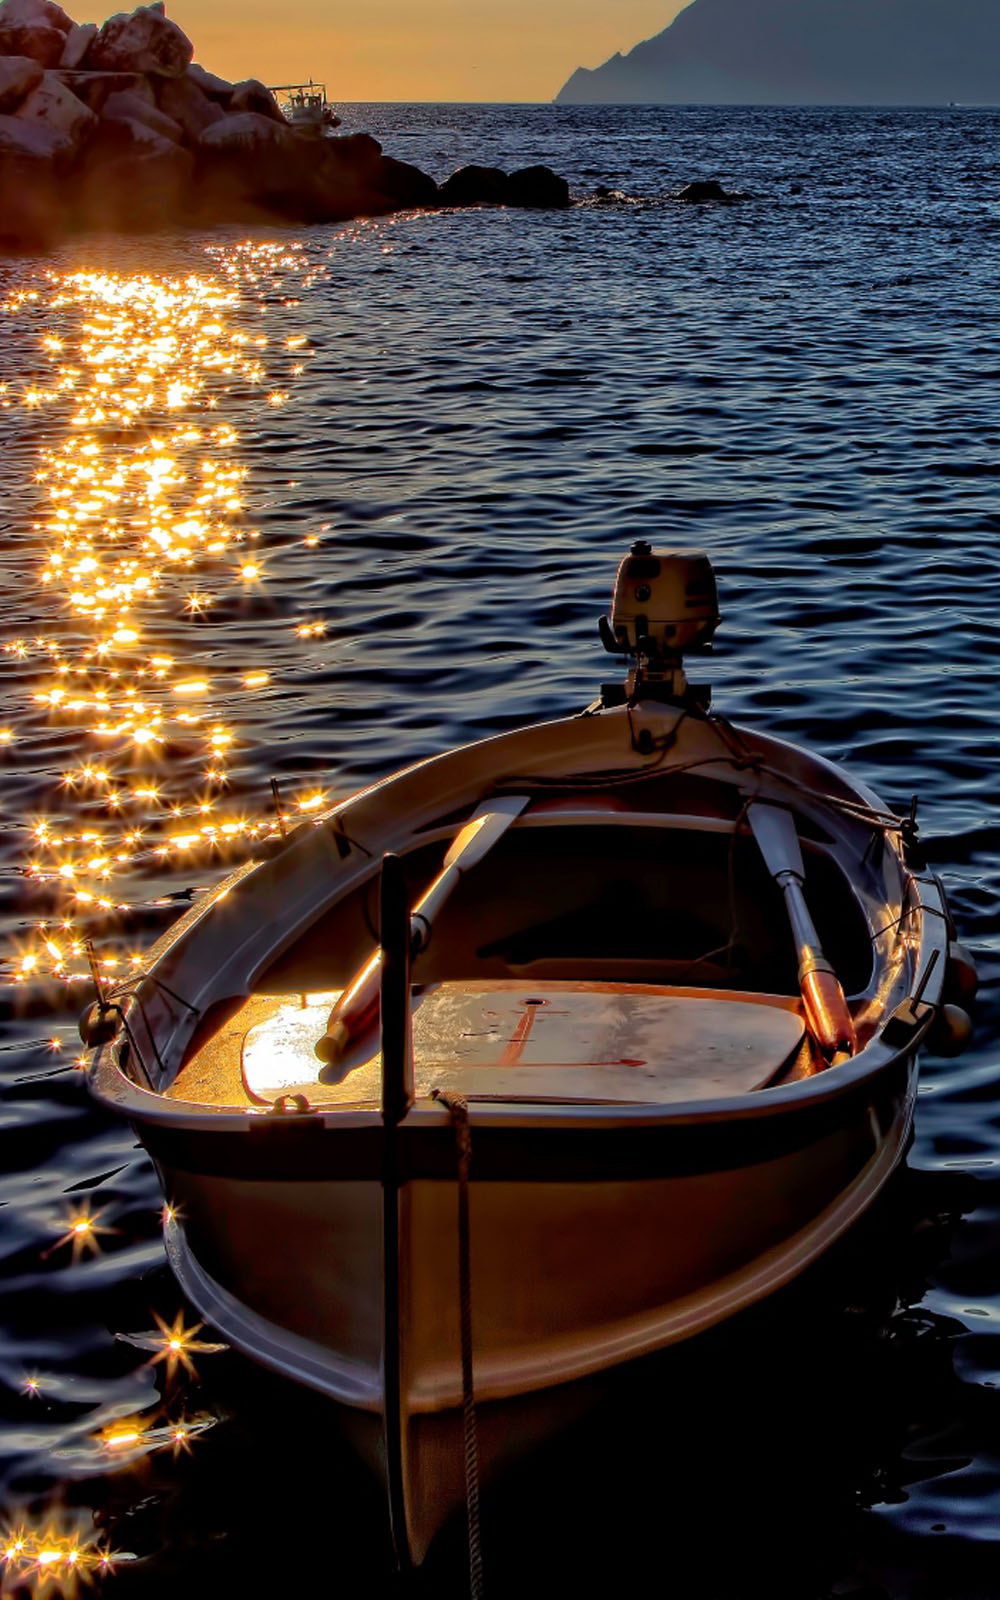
{"points": [[53, 1559], [805, 385]]}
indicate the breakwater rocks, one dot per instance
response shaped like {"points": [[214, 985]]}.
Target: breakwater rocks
{"points": [[117, 127]]}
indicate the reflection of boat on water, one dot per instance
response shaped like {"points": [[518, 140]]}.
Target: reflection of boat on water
{"points": [[628, 1097], [306, 107]]}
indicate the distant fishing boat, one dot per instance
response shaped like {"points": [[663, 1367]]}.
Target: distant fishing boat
{"points": [[305, 107], [535, 1058]]}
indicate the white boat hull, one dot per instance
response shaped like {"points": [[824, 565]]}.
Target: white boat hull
{"points": [[323, 1240], [570, 1279]]}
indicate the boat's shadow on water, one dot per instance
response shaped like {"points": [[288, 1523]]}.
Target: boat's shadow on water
{"points": [[745, 1463]]}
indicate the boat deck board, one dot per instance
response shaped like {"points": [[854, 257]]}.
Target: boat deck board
{"points": [[505, 1039]]}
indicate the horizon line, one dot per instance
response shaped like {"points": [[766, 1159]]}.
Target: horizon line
{"points": [[705, 105]]}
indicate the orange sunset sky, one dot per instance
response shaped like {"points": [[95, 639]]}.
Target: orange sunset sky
{"points": [[416, 49]]}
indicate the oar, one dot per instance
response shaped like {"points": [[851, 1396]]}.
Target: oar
{"points": [[827, 1016], [357, 1008]]}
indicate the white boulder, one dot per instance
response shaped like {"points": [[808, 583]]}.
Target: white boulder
{"points": [[120, 133], [244, 133], [39, 40], [18, 76], [77, 44], [182, 100], [56, 109], [19, 12], [208, 83], [252, 95], [145, 41], [128, 105], [246, 157], [31, 141]]}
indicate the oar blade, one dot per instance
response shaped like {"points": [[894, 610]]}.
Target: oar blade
{"points": [[777, 839], [483, 829]]}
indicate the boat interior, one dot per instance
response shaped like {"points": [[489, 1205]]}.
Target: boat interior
{"points": [[663, 946]]}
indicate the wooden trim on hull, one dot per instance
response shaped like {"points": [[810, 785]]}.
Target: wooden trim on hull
{"points": [[312, 1148]]}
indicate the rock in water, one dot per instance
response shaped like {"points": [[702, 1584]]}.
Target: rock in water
{"points": [[703, 189], [32, 208], [475, 186], [537, 187], [132, 179], [488, 186], [145, 41], [35, 156], [247, 164], [356, 152], [398, 185]]}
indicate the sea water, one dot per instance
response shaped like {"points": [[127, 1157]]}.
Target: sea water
{"points": [[308, 505]]}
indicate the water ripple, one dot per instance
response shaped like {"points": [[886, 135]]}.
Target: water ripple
{"points": [[474, 412]]}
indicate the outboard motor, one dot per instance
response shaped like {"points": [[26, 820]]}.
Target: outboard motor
{"points": [[665, 605]]}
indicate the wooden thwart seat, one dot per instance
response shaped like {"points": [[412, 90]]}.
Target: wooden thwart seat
{"points": [[555, 1040]]}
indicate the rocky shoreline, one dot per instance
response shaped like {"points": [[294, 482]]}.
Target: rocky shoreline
{"points": [[116, 127]]}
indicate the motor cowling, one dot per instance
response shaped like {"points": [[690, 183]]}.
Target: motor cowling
{"points": [[665, 603]]}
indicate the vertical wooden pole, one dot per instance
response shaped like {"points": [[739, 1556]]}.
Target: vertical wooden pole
{"points": [[397, 1053], [397, 1097]]}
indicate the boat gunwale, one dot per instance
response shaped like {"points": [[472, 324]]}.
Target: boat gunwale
{"points": [[593, 1147], [152, 1109], [114, 1087]]}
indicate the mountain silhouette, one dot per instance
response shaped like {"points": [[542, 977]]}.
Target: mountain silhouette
{"points": [[800, 52]]}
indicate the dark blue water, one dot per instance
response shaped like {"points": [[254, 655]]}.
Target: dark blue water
{"points": [[392, 466]]}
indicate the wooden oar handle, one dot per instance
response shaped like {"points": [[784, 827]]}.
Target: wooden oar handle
{"points": [[827, 1014], [358, 1007], [356, 1010]]}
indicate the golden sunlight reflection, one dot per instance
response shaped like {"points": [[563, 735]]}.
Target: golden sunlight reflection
{"points": [[81, 1234], [133, 1437], [143, 528], [49, 1559], [174, 1344]]}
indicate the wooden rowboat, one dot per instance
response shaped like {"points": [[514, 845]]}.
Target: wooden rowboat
{"points": [[645, 1048]]}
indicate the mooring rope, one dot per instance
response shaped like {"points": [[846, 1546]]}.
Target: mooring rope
{"points": [[458, 1110]]}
